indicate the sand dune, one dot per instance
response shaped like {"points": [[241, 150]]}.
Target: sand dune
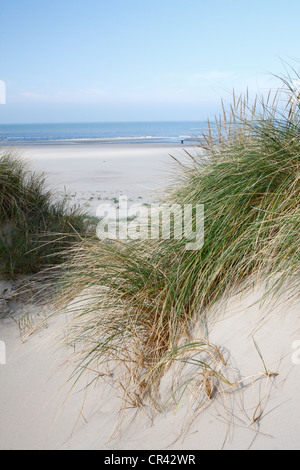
{"points": [[39, 411]]}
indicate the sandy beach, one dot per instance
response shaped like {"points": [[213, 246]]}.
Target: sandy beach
{"points": [[90, 173], [149, 228]]}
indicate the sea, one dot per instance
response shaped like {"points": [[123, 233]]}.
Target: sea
{"points": [[104, 132]]}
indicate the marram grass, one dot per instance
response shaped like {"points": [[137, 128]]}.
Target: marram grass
{"points": [[144, 296], [35, 228]]}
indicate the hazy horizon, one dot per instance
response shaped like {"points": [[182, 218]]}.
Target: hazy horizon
{"points": [[100, 122]]}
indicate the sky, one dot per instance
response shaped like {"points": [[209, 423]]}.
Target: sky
{"points": [[138, 60]]}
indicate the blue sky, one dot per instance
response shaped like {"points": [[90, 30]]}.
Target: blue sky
{"points": [[136, 60]]}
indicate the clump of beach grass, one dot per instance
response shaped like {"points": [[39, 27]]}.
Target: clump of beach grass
{"points": [[149, 293], [35, 227]]}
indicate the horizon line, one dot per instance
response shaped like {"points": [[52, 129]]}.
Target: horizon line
{"points": [[98, 122]]}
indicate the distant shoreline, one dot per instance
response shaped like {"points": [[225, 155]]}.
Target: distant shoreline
{"points": [[158, 133], [120, 141], [100, 145]]}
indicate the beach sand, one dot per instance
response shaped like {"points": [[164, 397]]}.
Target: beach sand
{"points": [[38, 408], [90, 173]]}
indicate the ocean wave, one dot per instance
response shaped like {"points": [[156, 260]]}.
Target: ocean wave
{"points": [[72, 133]]}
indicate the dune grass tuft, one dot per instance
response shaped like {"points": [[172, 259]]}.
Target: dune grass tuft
{"points": [[247, 175], [35, 228]]}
